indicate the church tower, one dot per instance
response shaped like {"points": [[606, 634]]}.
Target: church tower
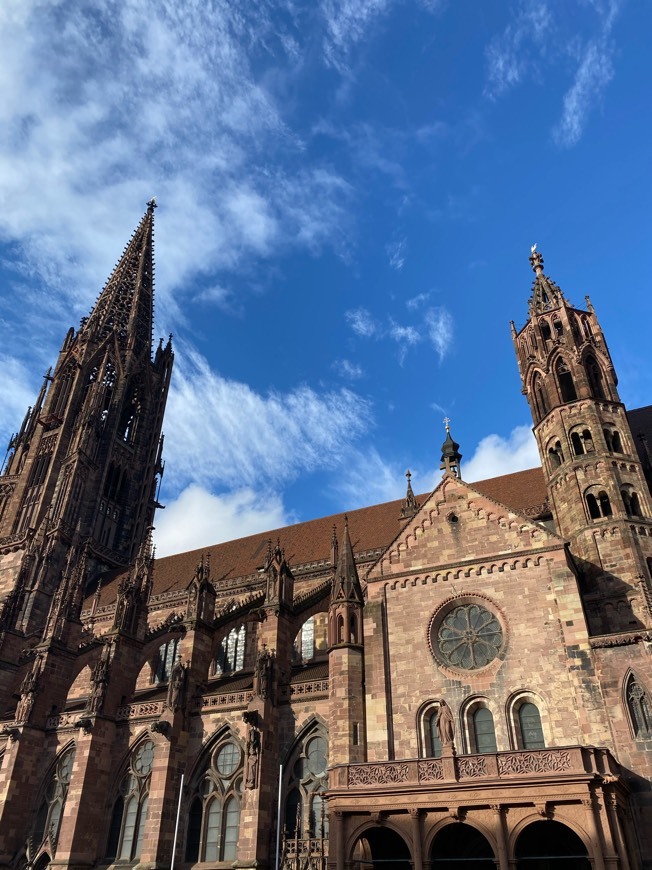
{"points": [[597, 489], [84, 467]]}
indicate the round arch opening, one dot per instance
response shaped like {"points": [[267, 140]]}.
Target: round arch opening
{"points": [[550, 845], [381, 849], [463, 847]]}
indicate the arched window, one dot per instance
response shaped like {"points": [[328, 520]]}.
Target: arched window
{"points": [[307, 780], [559, 329], [540, 397], [429, 742], [631, 501], [129, 813], [556, 454], [566, 383], [230, 655], [578, 444], [48, 818], [312, 639], [129, 417], [605, 504], [167, 656], [483, 732], [592, 506], [638, 707], [545, 330], [596, 381], [214, 817], [598, 505], [529, 727]]}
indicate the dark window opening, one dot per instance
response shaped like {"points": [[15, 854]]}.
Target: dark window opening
{"points": [[596, 381], [578, 444], [566, 382]]}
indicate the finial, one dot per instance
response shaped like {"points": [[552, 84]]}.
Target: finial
{"points": [[536, 260], [447, 424], [151, 205], [409, 476]]}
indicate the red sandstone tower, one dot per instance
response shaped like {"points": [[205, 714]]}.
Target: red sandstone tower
{"points": [[597, 489], [85, 464]]}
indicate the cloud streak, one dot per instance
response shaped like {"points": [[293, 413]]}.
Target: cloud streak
{"points": [[223, 434]]}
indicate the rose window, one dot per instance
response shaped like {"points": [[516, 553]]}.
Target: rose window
{"points": [[469, 637]]}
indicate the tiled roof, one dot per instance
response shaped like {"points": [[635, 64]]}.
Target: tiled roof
{"points": [[371, 528]]}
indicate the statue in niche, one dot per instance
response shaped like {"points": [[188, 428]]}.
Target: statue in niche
{"points": [[445, 724], [263, 679], [176, 687], [253, 758]]}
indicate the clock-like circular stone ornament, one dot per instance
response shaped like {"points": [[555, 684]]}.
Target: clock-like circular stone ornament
{"points": [[469, 637]]}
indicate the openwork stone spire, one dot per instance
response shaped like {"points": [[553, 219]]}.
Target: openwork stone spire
{"points": [[546, 295], [125, 305]]}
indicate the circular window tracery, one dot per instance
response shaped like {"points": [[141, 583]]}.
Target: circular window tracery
{"points": [[468, 637]]}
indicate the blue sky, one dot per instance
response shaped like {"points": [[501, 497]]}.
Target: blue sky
{"points": [[348, 191]]}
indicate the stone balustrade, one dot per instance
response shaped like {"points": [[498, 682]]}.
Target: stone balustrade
{"points": [[554, 763]]}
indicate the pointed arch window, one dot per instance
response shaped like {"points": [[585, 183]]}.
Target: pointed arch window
{"points": [[230, 655], [129, 814], [311, 641], [48, 818], [545, 330], [638, 707], [168, 653], [566, 383], [596, 380], [540, 397], [305, 805], [214, 816]]}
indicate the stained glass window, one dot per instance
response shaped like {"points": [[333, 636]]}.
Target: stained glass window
{"points": [[469, 637]]}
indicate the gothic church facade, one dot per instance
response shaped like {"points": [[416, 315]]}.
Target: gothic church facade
{"points": [[458, 679]]}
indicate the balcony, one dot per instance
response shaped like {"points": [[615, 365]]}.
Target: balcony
{"points": [[574, 763]]}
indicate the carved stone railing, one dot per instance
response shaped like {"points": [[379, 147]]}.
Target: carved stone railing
{"points": [[306, 689], [553, 763], [222, 701], [63, 720], [139, 711]]}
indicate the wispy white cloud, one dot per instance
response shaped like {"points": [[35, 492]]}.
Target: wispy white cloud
{"points": [[396, 252], [221, 433], [362, 323], [348, 23], [499, 454], [198, 518], [17, 393], [594, 72], [509, 54], [436, 324], [405, 337], [368, 478], [347, 369], [416, 302], [106, 105], [440, 329]]}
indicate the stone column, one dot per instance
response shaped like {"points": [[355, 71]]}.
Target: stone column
{"points": [[417, 846], [339, 839], [611, 802], [593, 827], [501, 844]]}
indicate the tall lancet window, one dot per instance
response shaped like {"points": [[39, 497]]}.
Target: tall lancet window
{"points": [[567, 389]]}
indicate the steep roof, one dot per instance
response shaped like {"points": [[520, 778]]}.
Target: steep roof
{"points": [[308, 545]]}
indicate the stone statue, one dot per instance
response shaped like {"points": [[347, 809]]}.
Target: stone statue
{"points": [[253, 757], [176, 687], [444, 723], [263, 680]]}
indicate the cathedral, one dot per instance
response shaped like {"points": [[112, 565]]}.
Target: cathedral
{"points": [[458, 679]]}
